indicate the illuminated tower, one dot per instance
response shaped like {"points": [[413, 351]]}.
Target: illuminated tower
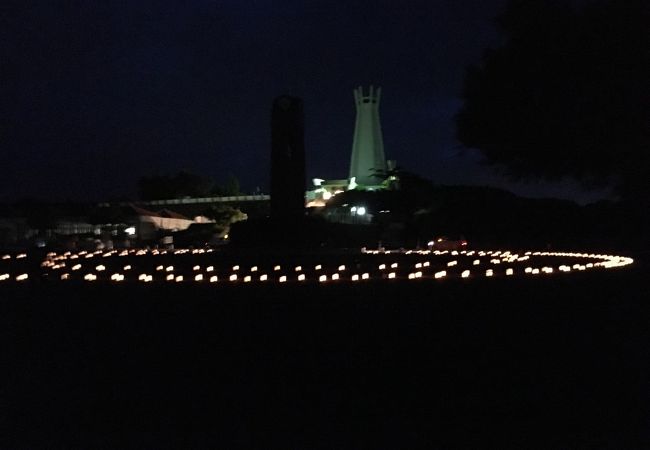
{"points": [[367, 144], [287, 158]]}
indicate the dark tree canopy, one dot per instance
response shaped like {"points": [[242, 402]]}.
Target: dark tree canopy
{"points": [[184, 184], [566, 95]]}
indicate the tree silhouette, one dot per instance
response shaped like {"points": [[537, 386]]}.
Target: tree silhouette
{"points": [[566, 95], [184, 184]]}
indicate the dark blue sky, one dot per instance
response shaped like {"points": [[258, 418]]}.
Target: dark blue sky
{"points": [[96, 94]]}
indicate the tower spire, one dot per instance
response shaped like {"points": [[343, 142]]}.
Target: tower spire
{"points": [[367, 144]]}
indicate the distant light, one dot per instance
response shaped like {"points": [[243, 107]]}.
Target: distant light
{"points": [[327, 195], [130, 231], [361, 211]]}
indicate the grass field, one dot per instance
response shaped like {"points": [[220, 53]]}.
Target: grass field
{"points": [[561, 362]]}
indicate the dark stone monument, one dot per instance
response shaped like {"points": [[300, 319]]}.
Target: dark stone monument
{"points": [[287, 159]]}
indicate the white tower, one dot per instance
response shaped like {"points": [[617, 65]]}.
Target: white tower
{"points": [[367, 144]]}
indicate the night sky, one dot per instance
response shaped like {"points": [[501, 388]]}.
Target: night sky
{"points": [[96, 94]]}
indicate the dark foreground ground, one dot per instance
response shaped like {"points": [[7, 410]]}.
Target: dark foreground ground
{"points": [[560, 362]]}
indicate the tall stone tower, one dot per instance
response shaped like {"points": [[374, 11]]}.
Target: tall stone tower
{"points": [[367, 144], [287, 158]]}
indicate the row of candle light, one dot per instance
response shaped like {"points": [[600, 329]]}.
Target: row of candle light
{"points": [[55, 261]]}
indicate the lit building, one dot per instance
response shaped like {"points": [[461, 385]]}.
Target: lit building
{"points": [[368, 165], [367, 158]]}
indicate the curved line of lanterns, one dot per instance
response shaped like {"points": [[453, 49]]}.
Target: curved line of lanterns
{"points": [[483, 264]]}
